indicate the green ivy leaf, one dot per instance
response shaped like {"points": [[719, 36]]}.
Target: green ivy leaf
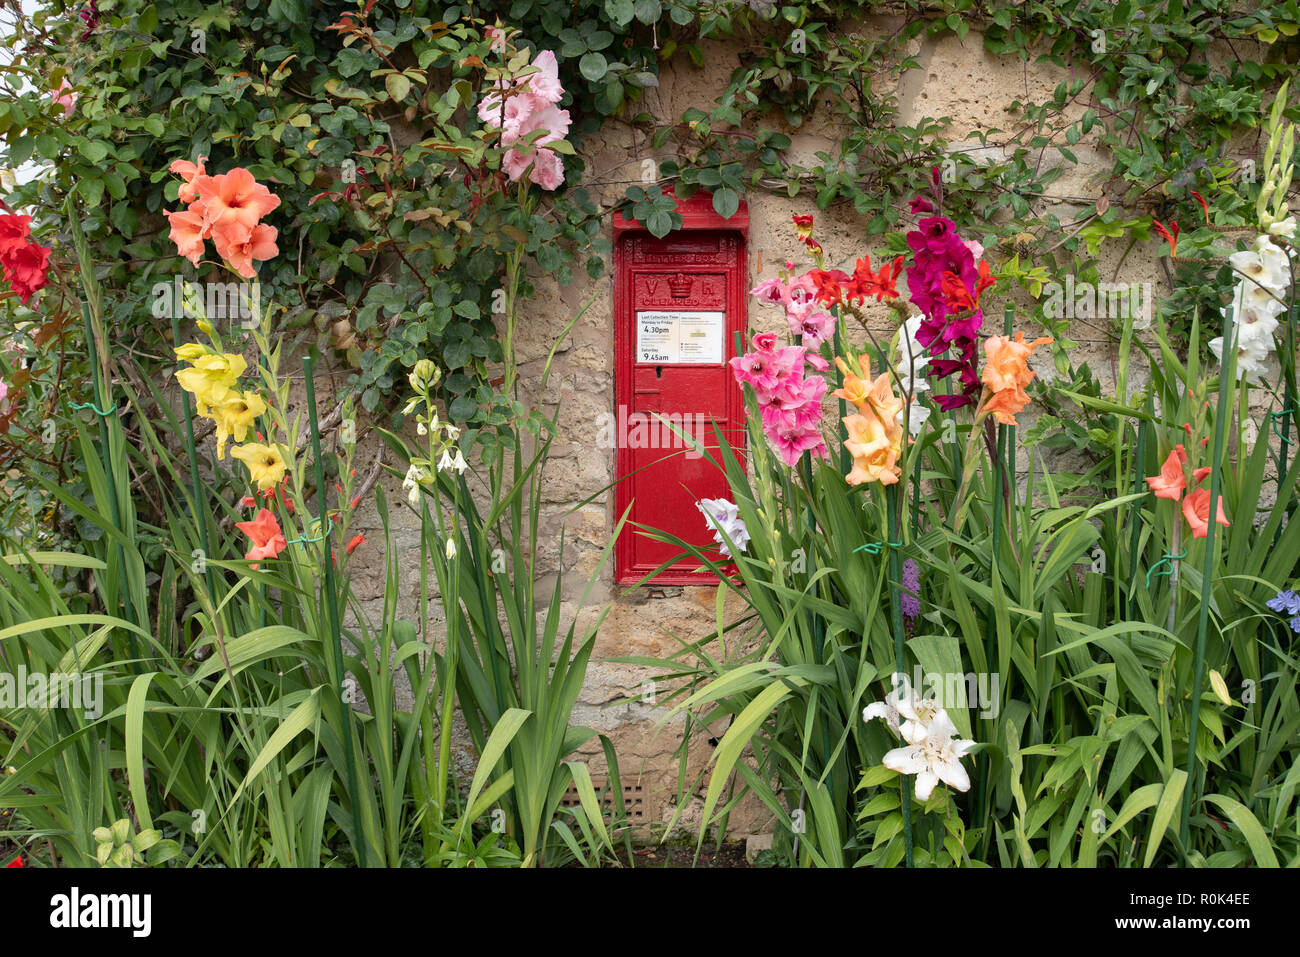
{"points": [[726, 202], [593, 66], [620, 11]]}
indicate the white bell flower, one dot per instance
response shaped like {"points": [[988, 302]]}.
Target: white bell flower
{"points": [[448, 461]]}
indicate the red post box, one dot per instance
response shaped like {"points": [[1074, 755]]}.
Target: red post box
{"points": [[678, 303]]}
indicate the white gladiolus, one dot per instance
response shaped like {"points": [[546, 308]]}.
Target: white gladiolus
{"points": [[1251, 357], [916, 414], [1265, 265], [724, 516], [1258, 301], [1284, 228]]}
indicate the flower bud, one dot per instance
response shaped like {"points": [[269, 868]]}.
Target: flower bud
{"points": [[423, 375]]}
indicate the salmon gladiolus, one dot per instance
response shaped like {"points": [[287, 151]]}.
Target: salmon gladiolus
{"points": [[268, 539], [235, 198], [1006, 374], [1171, 481], [1196, 509]]}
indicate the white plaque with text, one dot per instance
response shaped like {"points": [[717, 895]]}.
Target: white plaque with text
{"points": [[680, 337]]}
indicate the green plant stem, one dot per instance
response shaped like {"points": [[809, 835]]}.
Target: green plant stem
{"points": [[1008, 322], [1135, 520], [329, 598], [896, 614], [196, 483], [1222, 413], [990, 626]]}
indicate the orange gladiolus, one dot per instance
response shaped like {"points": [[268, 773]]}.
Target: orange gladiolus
{"points": [[1006, 373], [871, 396], [188, 231], [188, 171]]}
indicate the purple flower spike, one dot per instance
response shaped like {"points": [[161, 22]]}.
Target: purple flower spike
{"points": [[910, 599]]}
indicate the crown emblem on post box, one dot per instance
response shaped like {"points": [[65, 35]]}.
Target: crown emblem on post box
{"points": [[681, 285]]}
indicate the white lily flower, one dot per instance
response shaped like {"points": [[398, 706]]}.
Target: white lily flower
{"points": [[903, 697], [451, 549], [933, 758]]}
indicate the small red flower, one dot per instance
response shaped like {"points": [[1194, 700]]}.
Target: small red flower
{"points": [[356, 541], [1170, 235], [1204, 205], [16, 862]]}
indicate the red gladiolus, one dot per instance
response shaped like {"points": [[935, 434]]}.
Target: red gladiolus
{"points": [[14, 229], [26, 269], [355, 542], [16, 862], [880, 285], [1196, 509]]}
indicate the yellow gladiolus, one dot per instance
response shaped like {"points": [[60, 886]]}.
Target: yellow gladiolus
{"points": [[265, 464], [235, 413], [210, 377]]}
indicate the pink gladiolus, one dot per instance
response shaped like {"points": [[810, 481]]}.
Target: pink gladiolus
{"points": [[812, 322], [771, 292]]}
